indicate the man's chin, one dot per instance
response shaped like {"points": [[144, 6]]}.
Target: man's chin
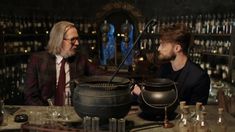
{"points": [[69, 55], [164, 58]]}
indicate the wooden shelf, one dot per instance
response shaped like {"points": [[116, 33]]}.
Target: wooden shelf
{"points": [[210, 35], [216, 54]]}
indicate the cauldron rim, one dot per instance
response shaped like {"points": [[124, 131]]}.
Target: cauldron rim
{"points": [[94, 79], [158, 82], [103, 82]]}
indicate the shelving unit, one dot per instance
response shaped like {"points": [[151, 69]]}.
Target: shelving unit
{"points": [[213, 53], [232, 54], [14, 57]]}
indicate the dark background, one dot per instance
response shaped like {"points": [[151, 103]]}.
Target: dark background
{"points": [[89, 8]]}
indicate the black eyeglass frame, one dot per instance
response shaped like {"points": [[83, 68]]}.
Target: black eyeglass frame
{"points": [[72, 40]]}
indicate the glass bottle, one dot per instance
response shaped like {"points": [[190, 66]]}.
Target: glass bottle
{"points": [[196, 118], [182, 104], [202, 126], [185, 124], [1, 112], [221, 125]]}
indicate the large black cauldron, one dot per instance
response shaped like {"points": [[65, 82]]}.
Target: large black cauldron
{"points": [[95, 96], [156, 94]]}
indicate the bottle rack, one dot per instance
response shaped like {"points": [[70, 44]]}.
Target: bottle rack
{"points": [[87, 30], [232, 54], [213, 54]]}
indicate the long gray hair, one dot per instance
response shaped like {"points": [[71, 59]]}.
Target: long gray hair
{"points": [[57, 35]]}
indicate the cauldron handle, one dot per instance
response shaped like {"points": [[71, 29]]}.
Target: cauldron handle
{"points": [[176, 91], [132, 84]]}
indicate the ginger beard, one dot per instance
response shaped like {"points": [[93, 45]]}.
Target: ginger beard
{"points": [[166, 52]]}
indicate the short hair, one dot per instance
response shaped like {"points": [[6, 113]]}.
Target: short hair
{"points": [[57, 35], [176, 33]]}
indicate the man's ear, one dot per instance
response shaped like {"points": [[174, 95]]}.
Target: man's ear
{"points": [[178, 48]]}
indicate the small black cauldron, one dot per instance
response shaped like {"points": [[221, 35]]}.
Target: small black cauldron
{"points": [[95, 96], [156, 95]]}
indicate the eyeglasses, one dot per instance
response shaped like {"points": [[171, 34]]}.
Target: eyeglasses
{"points": [[73, 39]]}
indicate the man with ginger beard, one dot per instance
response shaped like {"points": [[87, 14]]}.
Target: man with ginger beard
{"points": [[193, 83], [43, 70]]}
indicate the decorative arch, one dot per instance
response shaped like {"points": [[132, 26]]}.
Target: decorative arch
{"points": [[119, 6], [125, 8]]}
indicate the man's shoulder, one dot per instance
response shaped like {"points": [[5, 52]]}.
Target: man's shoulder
{"points": [[194, 65], [196, 69], [196, 75], [40, 57], [40, 54]]}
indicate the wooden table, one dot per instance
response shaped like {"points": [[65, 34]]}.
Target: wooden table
{"points": [[211, 119], [39, 113], [139, 124]]}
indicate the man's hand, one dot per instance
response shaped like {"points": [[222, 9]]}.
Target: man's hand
{"points": [[136, 90]]}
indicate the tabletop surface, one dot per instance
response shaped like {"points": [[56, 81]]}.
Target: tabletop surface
{"points": [[133, 118]]}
